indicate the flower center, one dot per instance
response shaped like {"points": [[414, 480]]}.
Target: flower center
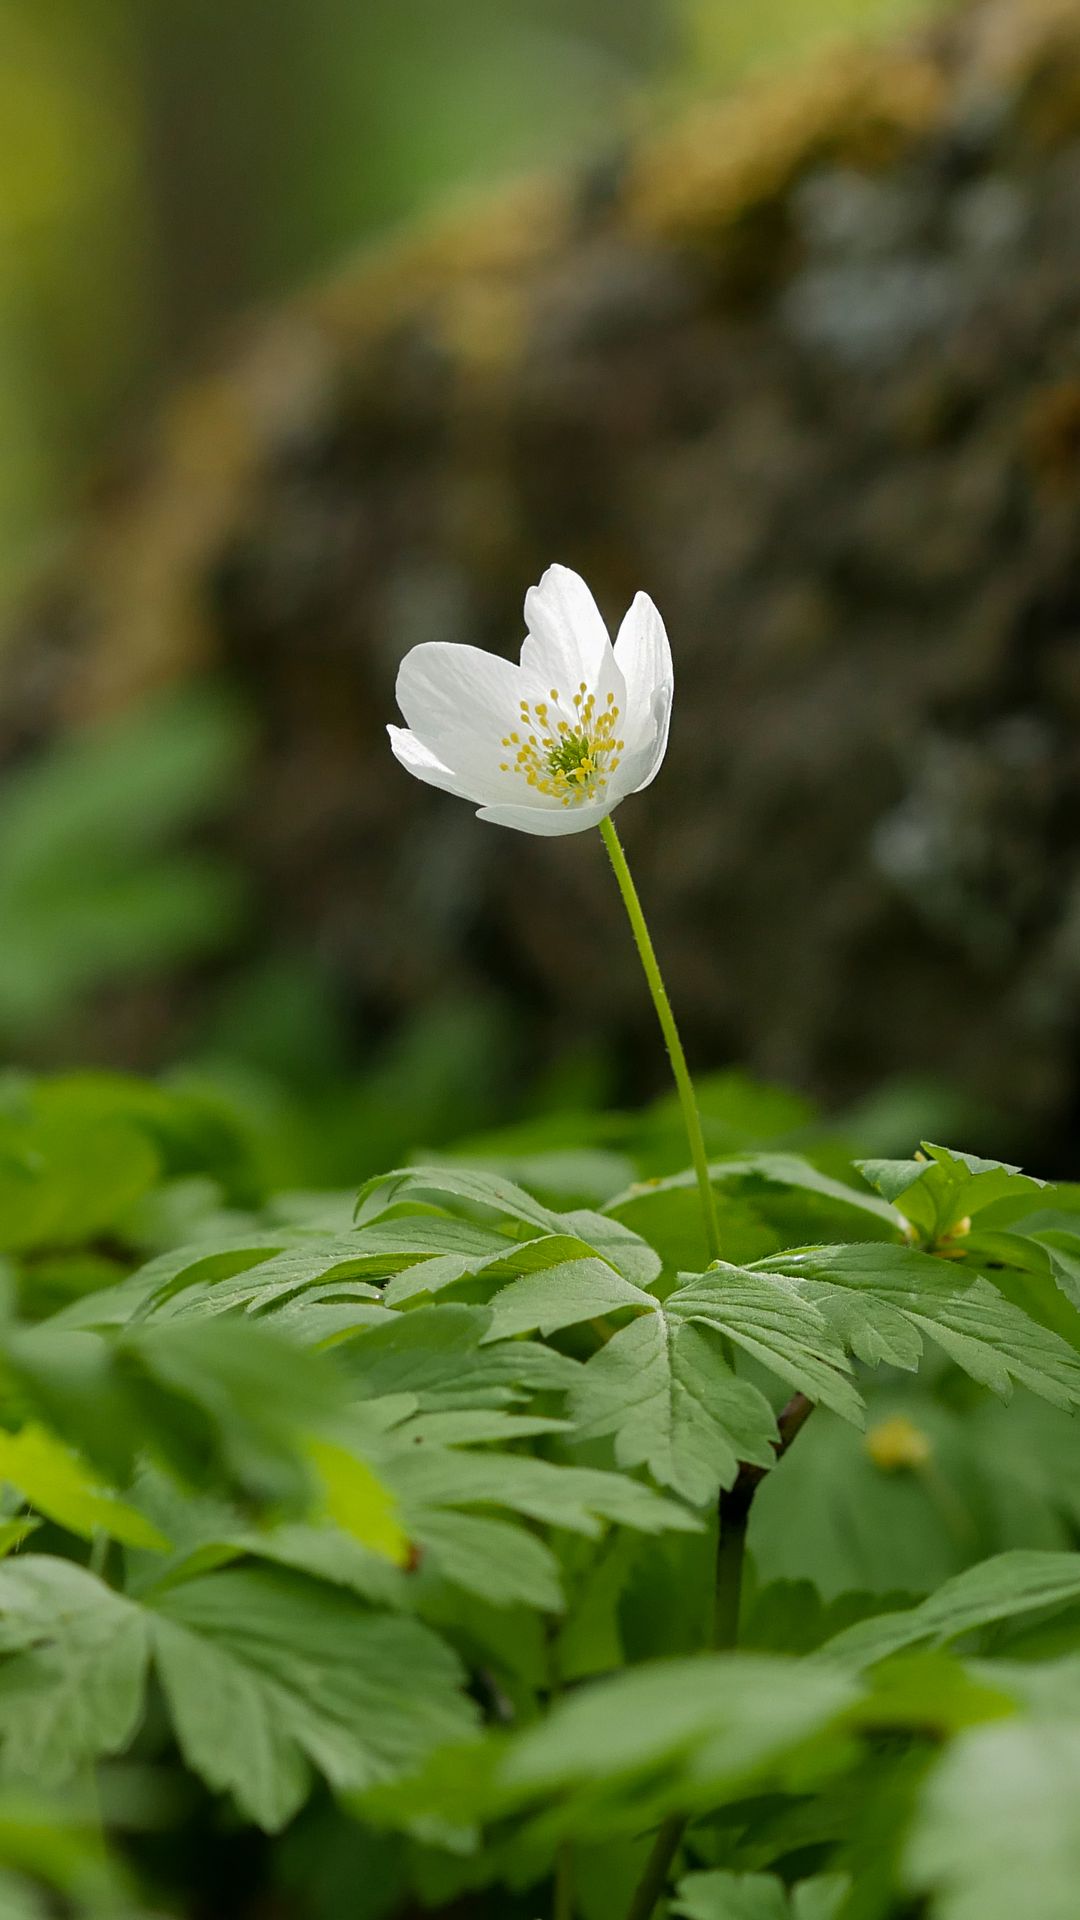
{"points": [[566, 750]]}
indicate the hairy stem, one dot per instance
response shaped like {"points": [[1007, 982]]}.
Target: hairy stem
{"points": [[683, 1082]]}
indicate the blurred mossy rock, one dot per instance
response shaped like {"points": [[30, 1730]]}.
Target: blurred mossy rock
{"points": [[805, 366]]}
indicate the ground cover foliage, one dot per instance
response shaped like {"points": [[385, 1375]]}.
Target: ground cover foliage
{"points": [[371, 1552]]}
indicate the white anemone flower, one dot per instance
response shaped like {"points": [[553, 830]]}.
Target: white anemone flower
{"points": [[552, 745]]}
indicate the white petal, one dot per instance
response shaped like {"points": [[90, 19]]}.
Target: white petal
{"points": [[547, 821], [644, 655], [461, 703], [639, 765], [426, 766], [568, 641]]}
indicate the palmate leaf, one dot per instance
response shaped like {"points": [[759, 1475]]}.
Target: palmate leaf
{"points": [[778, 1324], [268, 1675], [664, 1390], [73, 1658], [1003, 1588], [882, 1300]]}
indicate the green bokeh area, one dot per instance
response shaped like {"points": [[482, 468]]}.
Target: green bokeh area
{"points": [[163, 167]]}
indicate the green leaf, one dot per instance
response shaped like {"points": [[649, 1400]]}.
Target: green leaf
{"points": [[52, 1478], [774, 1319], [663, 1388], [731, 1896], [490, 1191], [1063, 1251], [508, 1261], [771, 1169], [1008, 1585], [939, 1191], [268, 1674], [561, 1296], [758, 1896], [616, 1243], [436, 1354], [470, 1184], [692, 1729], [996, 1833], [249, 1394], [1032, 1275], [14, 1532], [357, 1502], [577, 1498], [502, 1564], [62, 1182], [73, 1660], [877, 1296]]}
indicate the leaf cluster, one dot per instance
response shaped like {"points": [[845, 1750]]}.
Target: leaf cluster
{"points": [[400, 1523]]}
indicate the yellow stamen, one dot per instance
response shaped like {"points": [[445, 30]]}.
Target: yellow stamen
{"points": [[567, 760]]}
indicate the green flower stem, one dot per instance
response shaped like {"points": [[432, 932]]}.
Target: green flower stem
{"points": [[687, 1100]]}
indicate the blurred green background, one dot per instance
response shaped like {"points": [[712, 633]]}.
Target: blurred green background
{"points": [[165, 164], [169, 170]]}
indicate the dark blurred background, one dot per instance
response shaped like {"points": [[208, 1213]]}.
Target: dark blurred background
{"points": [[324, 328]]}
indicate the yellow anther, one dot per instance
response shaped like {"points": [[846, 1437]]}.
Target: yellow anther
{"points": [[569, 761]]}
